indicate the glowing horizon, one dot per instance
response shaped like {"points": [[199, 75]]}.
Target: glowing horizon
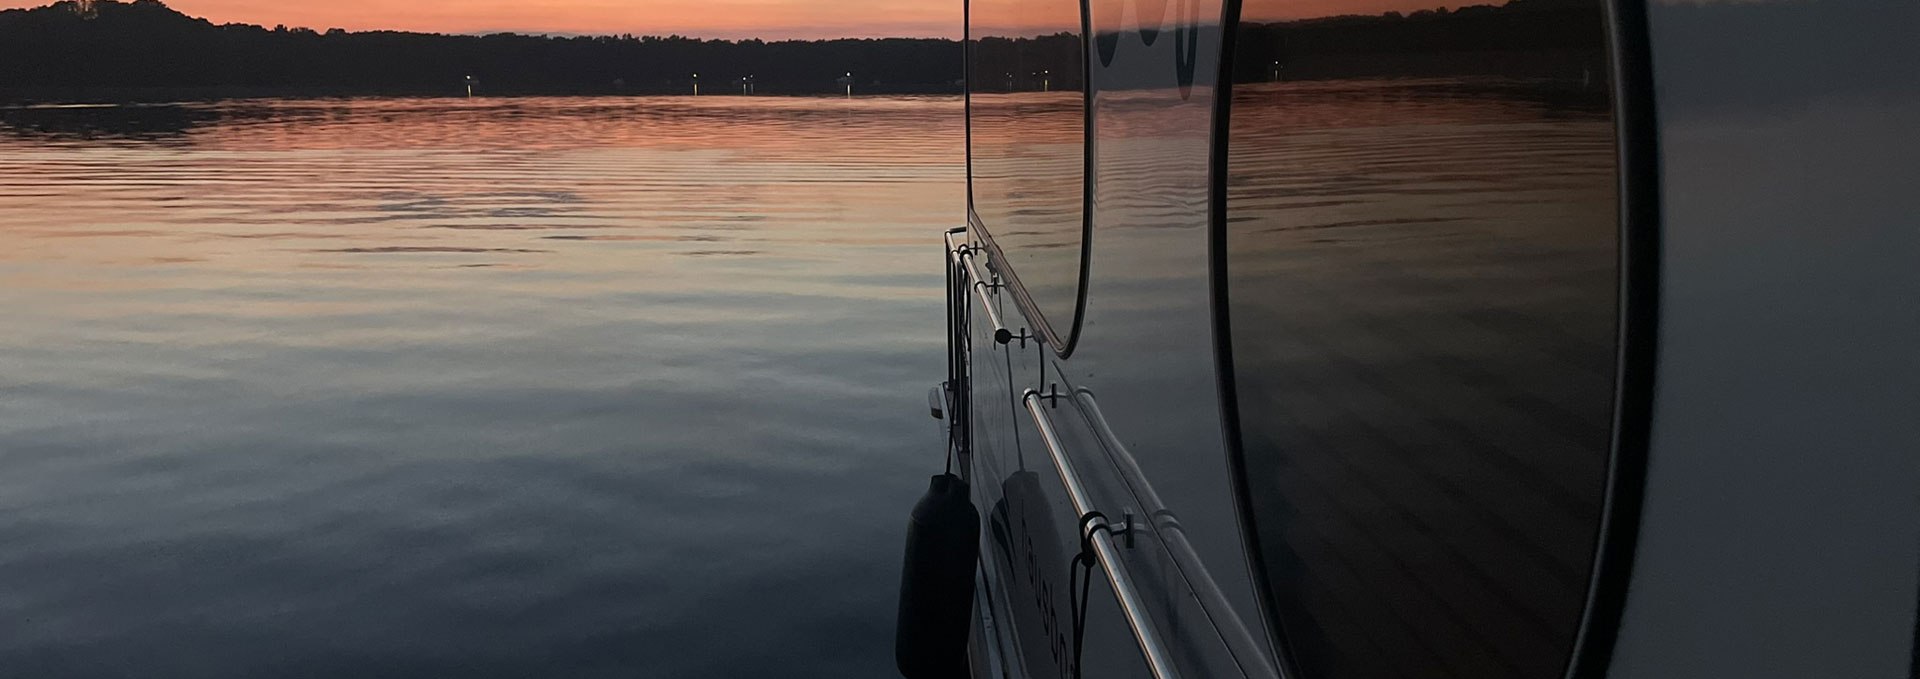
{"points": [[714, 19], [728, 19]]}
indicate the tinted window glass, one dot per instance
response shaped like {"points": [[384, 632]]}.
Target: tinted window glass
{"points": [[1422, 263], [1027, 144]]}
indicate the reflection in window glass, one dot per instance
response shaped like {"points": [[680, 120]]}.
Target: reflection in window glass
{"points": [[1028, 128], [1423, 246]]}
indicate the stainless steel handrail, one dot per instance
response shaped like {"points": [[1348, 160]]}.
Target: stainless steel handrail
{"points": [[1132, 606], [1247, 650], [964, 256]]}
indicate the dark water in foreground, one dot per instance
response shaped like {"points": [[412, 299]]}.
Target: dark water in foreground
{"points": [[562, 387]]}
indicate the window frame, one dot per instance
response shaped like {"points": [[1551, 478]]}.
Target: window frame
{"points": [[998, 263], [1635, 368]]}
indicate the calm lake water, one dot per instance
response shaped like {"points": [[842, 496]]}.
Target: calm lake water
{"points": [[526, 387]]}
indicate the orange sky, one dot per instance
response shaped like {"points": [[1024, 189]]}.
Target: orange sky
{"points": [[709, 18], [702, 18]]}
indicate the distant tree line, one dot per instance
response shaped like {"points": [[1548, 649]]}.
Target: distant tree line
{"points": [[132, 46], [1025, 64], [1554, 40], [94, 49], [1557, 39]]}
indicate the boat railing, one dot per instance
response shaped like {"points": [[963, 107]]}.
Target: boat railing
{"points": [[1248, 652], [965, 256], [1247, 649], [1100, 537]]}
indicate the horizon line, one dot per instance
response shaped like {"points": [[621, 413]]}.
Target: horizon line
{"points": [[802, 32]]}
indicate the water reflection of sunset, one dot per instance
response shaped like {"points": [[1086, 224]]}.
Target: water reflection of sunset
{"points": [[270, 188], [347, 360]]}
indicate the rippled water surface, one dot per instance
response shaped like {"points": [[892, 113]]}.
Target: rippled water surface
{"points": [[561, 387]]}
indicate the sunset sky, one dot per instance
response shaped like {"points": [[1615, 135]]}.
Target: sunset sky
{"points": [[702, 18], [771, 19]]}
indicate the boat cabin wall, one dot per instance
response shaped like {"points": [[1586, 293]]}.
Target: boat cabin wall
{"points": [[1092, 209]]}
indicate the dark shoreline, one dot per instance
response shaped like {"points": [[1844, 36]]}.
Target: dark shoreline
{"points": [[144, 51]]}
